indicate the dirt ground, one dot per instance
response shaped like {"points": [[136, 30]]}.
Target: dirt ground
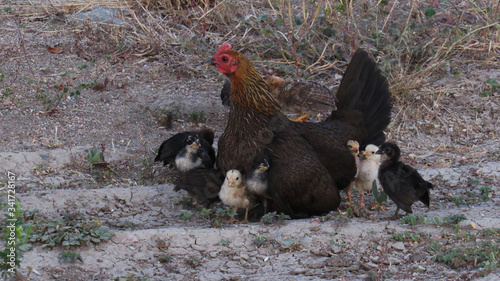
{"points": [[58, 103]]}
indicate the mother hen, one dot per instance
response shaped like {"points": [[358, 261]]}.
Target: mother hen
{"points": [[311, 161]]}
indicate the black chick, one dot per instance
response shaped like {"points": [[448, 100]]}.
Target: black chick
{"points": [[179, 143], [257, 179], [402, 183], [203, 185]]}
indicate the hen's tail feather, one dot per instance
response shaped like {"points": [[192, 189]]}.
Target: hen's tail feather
{"points": [[365, 88]]}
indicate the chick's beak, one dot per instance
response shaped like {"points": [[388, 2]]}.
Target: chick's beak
{"points": [[211, 61], [379, 151]]}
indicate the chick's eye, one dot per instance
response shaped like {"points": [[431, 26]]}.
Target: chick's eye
{"points": [[237, 178], [224, 59]]}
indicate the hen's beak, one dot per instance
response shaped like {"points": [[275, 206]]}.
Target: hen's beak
{"points": [[211, 61]]}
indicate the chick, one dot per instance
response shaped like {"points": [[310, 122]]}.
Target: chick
{"points": [[188, 159], [354, 147], [257, 179], [234, 192], [368, 171], [402, 183]]}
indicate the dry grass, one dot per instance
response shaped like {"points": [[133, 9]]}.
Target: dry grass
{"points": [[418, 44]]}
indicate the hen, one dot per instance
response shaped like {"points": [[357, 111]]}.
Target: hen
{"points": [[402, 183], [304, 98], [310, 161]]}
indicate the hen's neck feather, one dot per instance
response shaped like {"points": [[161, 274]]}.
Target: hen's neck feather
{"points": [[249, 89]]}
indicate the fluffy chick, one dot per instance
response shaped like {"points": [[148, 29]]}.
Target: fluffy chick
{"points": [[402, 183], [257, 182], [234, 192], [354, 147], [368, 171]]}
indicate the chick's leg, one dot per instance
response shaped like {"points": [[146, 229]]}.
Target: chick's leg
{"points": [[245, 220], [362, 204], [349, 191]]}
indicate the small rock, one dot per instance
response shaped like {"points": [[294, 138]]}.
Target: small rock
{"points": [[198, 248], [368, 265], [420, 268], [339, 261], [212, 254], [298, 271], [392, 260], [316, 265], [315, 228], [398, 246], [321, 253]]}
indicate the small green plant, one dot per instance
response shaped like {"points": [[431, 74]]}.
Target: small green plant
{"points": [[435, 246], [453, 219], [206, 213], [414, 220], [193, 261], [94, 156], [165, 259], [407, 237], [15, 236], [260, 240], [185, 215], [224, 242], [271, 218], [485, 193], [69, 231], [484, 255], [458, 200], [197, 116], [290, 244], [380, 197], [70, 257], [494, 87]]}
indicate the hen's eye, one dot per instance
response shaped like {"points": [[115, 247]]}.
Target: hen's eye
{"points": [[224, 59]]}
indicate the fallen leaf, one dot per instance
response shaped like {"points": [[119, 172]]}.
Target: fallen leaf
{"points": [[55, 50]]}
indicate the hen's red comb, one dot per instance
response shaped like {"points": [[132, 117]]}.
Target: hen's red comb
{"points": [[224, 47]]}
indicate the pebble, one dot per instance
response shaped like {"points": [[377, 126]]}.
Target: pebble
{"points": [[298, 271], [197, 248], [392, 260], [398, 246], [420, 268], [316, 265]]}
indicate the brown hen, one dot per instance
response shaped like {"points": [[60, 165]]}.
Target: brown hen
{"points": [[311, 162]]}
